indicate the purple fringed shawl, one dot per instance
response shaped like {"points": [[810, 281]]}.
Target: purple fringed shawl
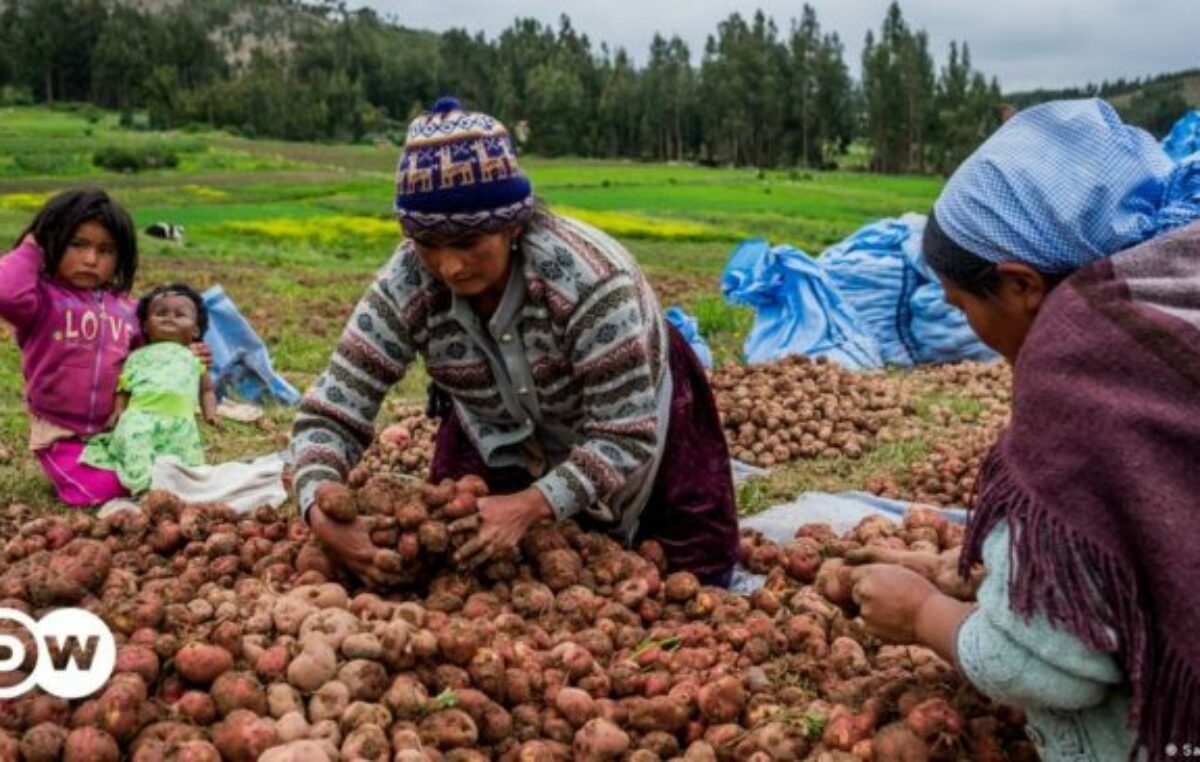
{"points": [[1098, 475]]}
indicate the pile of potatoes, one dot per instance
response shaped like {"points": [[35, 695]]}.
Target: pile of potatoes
{"points": [[239, 639], [403, 446], [797, 407], [414, 525], [963, 433]]}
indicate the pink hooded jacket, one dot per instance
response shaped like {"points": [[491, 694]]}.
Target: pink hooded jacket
{"points": [[73, 342]]}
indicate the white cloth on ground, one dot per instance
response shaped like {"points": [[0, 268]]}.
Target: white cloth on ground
{"points": [[242, 485]]}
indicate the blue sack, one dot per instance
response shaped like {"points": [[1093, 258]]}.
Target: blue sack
{"points": [[241, 366], [1184, 139], [797, 310], [689, 327], [879, 270]]}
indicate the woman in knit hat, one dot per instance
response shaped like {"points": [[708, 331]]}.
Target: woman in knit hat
{"points": [[572, 397], [1072, 243]]}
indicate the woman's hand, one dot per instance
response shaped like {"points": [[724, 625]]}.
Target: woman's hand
{"points": [[349, 544], [941, 568], [503, 519], [890, 599]]}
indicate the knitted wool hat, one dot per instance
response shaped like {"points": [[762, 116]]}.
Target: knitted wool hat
{"points": [[458, 175]]}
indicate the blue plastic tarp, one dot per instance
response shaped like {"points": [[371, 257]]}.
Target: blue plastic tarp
{"points": [[1184, 138], [241, 365], [797, 310], [689, 327]]}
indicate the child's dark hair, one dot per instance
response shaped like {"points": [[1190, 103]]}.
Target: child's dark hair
{"points": [[57, 221], [182, 289], [968, 271]]}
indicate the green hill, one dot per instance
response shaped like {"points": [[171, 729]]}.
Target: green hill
{"points": [[1154, 102]]}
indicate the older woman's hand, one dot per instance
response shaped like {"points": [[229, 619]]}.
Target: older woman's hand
{"points": [[941, 569], [503, 521], [350, 544], [890, 598], [898, 605]]}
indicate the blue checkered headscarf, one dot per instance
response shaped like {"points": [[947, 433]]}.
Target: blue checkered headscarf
{"points": [[1063, 184]]}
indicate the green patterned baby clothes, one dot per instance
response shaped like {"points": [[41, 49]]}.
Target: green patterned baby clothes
{"points": [[163, 383]]}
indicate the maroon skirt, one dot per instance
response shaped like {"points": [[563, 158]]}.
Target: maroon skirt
{"points": [[691, 512]]}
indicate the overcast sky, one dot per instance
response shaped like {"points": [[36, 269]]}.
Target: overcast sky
{"points": [[1026, 43]]}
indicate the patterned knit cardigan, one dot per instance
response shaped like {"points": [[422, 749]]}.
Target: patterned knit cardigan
{"points": [[573, 359]]}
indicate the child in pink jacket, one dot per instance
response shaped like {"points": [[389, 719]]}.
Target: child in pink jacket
{"points": [[65, 290]]}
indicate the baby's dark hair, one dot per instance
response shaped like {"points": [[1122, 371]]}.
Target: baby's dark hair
{"points": [[182, 289], [55, 224]]}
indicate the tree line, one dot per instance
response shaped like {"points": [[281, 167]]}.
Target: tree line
{"points": [[758, 94]]}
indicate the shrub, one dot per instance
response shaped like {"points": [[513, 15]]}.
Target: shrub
{"points": [[135, 158]]}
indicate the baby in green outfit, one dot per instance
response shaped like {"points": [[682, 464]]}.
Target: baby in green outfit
{"points": [[158, 392]]}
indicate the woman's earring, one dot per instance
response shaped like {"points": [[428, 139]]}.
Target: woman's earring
{"points": [[514, 245]]}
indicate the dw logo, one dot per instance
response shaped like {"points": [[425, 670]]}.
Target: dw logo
{"points": [[76, 653]]}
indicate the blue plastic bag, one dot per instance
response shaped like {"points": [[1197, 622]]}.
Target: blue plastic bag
{"points": [[797, 310], [1184, 139], [689, 327], [881, 273], [241, 366]]}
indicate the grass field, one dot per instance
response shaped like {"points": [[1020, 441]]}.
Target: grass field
{"points": [[294, 233]]}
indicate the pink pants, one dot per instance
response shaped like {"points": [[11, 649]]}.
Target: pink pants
{"points": [[78, 484]]}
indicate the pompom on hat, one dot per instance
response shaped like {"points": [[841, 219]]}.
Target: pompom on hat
{"points": [[458, 176]]}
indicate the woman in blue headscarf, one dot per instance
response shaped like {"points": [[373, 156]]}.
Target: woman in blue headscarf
{"points": [[1071, 242]]}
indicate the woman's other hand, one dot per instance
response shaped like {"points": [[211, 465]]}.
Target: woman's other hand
{"points": [[941, 568], [504, 520], [889, 599], [349, 544]]}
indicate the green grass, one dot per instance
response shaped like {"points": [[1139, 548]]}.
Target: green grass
{"points": [[295, 232]]}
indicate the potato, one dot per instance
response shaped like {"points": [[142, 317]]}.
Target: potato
{"points": [[282, 699], [202, 663], [898, 743], [361, 713], [89, 744], [118, 706], [43, 743], [140, 660], [368, 743], [722, 700], [935, 719], [273, 662], [407, 698], [332, 625], [337, 502], [367, 680], [847, 658], [196, 707], [313, 667], [575, 705], [681, 587], [834, 582], [239, 690], [243, 737], [560, 568], [449, 729], [599, 740], [298, 751], [330, 702], [363, 645], [293, 726]]}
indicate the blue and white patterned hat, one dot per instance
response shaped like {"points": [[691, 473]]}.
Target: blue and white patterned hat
{"points": [[1064, 184], [458, 175]]}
